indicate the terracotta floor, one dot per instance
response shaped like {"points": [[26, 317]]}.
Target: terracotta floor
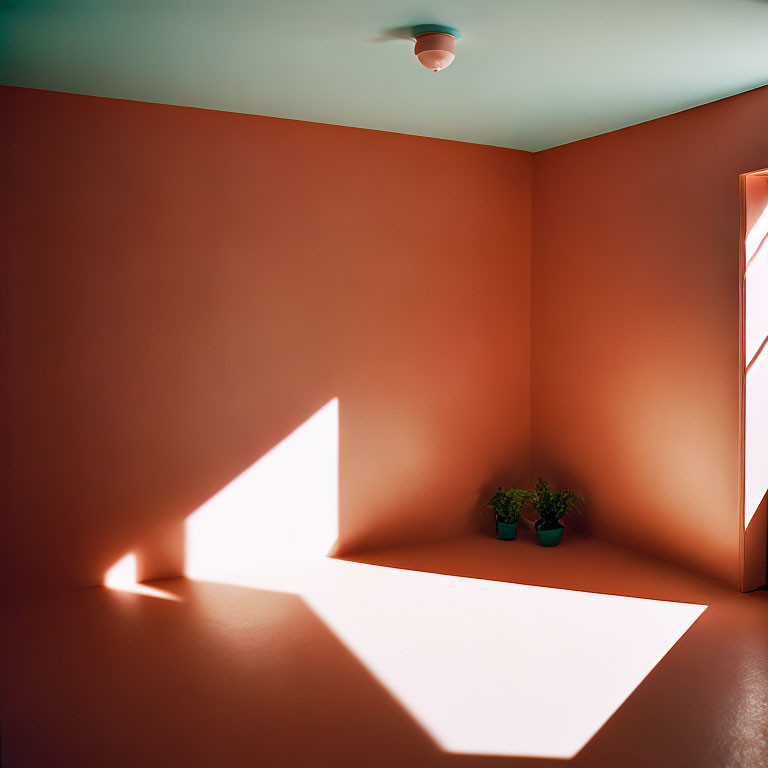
{"points": [[331, 665]]}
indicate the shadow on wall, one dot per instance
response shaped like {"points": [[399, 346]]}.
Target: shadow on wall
{"points": [[282, 510]]}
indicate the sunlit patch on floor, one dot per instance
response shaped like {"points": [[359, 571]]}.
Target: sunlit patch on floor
{"points": [[489, 667], [486, 667]]}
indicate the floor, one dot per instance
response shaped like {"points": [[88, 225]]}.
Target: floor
{"points": [[467, 652]]}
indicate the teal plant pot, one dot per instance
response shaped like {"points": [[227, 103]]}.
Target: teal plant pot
{"points": [[550, 538], [507, 531]]}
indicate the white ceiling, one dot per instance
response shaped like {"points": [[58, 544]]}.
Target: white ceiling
{"points": [[529, 74]]}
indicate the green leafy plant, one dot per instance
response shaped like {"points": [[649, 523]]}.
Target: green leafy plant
{"points": [[551, 505], [506, 505]]}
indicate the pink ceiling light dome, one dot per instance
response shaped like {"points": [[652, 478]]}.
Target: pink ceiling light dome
{"points": [[435, 51], [435, 46]]}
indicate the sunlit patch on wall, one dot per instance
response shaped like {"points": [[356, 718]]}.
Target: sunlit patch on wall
{"points": [[756, 356], [756, 236], [283, 508], [756, 435], [123, 574], [487, 667]]}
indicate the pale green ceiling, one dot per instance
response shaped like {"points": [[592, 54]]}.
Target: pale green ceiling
{"points": [[529, 74]]}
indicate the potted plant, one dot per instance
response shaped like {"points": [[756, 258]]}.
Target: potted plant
{"points": [[506, 507], [551, 506]]}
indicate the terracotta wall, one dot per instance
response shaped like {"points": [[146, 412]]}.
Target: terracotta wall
{"points": [[635, 327], [181, 288]]}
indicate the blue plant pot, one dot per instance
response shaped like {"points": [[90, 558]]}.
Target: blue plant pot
{"points": [[507, 531], [550, 538]]}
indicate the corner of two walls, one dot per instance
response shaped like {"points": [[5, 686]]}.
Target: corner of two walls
{"points": [[635, 328]]}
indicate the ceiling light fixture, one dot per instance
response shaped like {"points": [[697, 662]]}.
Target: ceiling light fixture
{"points": [[435, 45]]}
